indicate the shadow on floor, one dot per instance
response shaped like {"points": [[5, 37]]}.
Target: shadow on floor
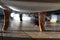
{"points": [[51, 31], [1, 38], [17, 38]]}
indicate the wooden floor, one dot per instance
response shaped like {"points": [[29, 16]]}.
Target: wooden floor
{"points": [[26, 29]]}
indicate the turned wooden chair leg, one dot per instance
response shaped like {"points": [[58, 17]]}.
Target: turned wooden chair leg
{"points": [[41, 20], [6, 20]]}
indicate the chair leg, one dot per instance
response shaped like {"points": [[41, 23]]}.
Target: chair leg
{"points": [[41, 20], [6, 19]]}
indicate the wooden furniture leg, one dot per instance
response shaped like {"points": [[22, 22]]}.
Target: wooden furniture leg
{"points": [[6, 19], [41, 20]]}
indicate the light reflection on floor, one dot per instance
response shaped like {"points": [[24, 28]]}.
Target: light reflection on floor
{"points": [[26, 17], [24, 25]]}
